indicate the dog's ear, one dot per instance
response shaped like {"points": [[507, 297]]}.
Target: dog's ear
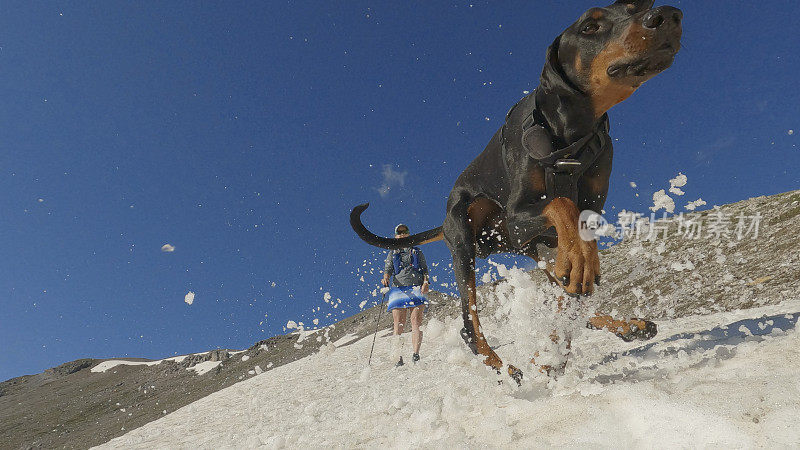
{"points": [[635, 6], [552, 73], [552, 52]]}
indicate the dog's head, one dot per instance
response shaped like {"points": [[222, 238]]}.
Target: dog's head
{"points": [[609, 52]]}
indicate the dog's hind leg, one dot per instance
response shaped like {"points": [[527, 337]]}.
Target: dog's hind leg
{"points": [[460, 239], [626, 329]]}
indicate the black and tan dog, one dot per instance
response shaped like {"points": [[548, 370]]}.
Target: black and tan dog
{"points": [[551, 160]]}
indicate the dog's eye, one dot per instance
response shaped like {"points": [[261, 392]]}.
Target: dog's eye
{"points": [[590, 28]]}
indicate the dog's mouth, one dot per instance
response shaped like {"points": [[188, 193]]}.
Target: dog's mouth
{"points": [[642, 68]]}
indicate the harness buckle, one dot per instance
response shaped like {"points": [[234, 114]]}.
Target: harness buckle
{"points": [[569, 166]]}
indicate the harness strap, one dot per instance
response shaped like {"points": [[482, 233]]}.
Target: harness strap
{"points": [[563, 167]]}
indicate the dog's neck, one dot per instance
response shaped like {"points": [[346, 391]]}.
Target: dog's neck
{"points": [[567, 111]]}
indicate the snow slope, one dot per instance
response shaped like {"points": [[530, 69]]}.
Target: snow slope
{"points": [[724, 379]]}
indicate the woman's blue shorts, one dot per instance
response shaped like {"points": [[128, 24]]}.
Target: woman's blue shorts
{"points": [[405, 297]]}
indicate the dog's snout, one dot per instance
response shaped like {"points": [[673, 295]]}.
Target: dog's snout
{"points": [[656, 17]]}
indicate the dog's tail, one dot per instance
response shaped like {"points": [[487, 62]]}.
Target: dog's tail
{"points": [[390, 243]]}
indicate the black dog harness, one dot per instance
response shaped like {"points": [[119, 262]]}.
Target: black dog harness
{"points": [[564, 167]]}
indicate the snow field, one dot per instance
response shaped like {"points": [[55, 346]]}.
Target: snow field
{"points": [[200, 368], [744, 392]]}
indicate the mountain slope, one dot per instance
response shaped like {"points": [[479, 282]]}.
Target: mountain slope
{"points": [[670, 280], [682, 275], [741, 389]]}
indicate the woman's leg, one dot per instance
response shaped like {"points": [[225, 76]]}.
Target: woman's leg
{"points": [[416, 322], [399, 316]]}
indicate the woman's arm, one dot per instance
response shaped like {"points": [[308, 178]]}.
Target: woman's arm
{"points": [[423, 267], [388, 270]]}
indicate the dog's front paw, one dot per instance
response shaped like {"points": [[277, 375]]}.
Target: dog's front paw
{"points": [[578, 266]]}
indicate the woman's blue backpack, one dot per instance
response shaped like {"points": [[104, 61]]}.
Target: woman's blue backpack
{"points": [[414, 260]]}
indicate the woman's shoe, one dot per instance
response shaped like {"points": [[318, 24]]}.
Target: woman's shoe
{"points": [[399, 363], [415, 357]]}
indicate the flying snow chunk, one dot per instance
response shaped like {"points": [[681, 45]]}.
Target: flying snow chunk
{"points": [[189, 298], [691, 206], [167, 248], [633, 184], [662, 200], [790, 132], [677, 183], [327, 297], [486, 278], [291, 324]]}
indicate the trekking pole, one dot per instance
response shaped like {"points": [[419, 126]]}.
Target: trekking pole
{"points": [[377, 321]]}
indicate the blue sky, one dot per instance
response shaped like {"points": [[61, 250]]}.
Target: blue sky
{"points": [[242, 133]]}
